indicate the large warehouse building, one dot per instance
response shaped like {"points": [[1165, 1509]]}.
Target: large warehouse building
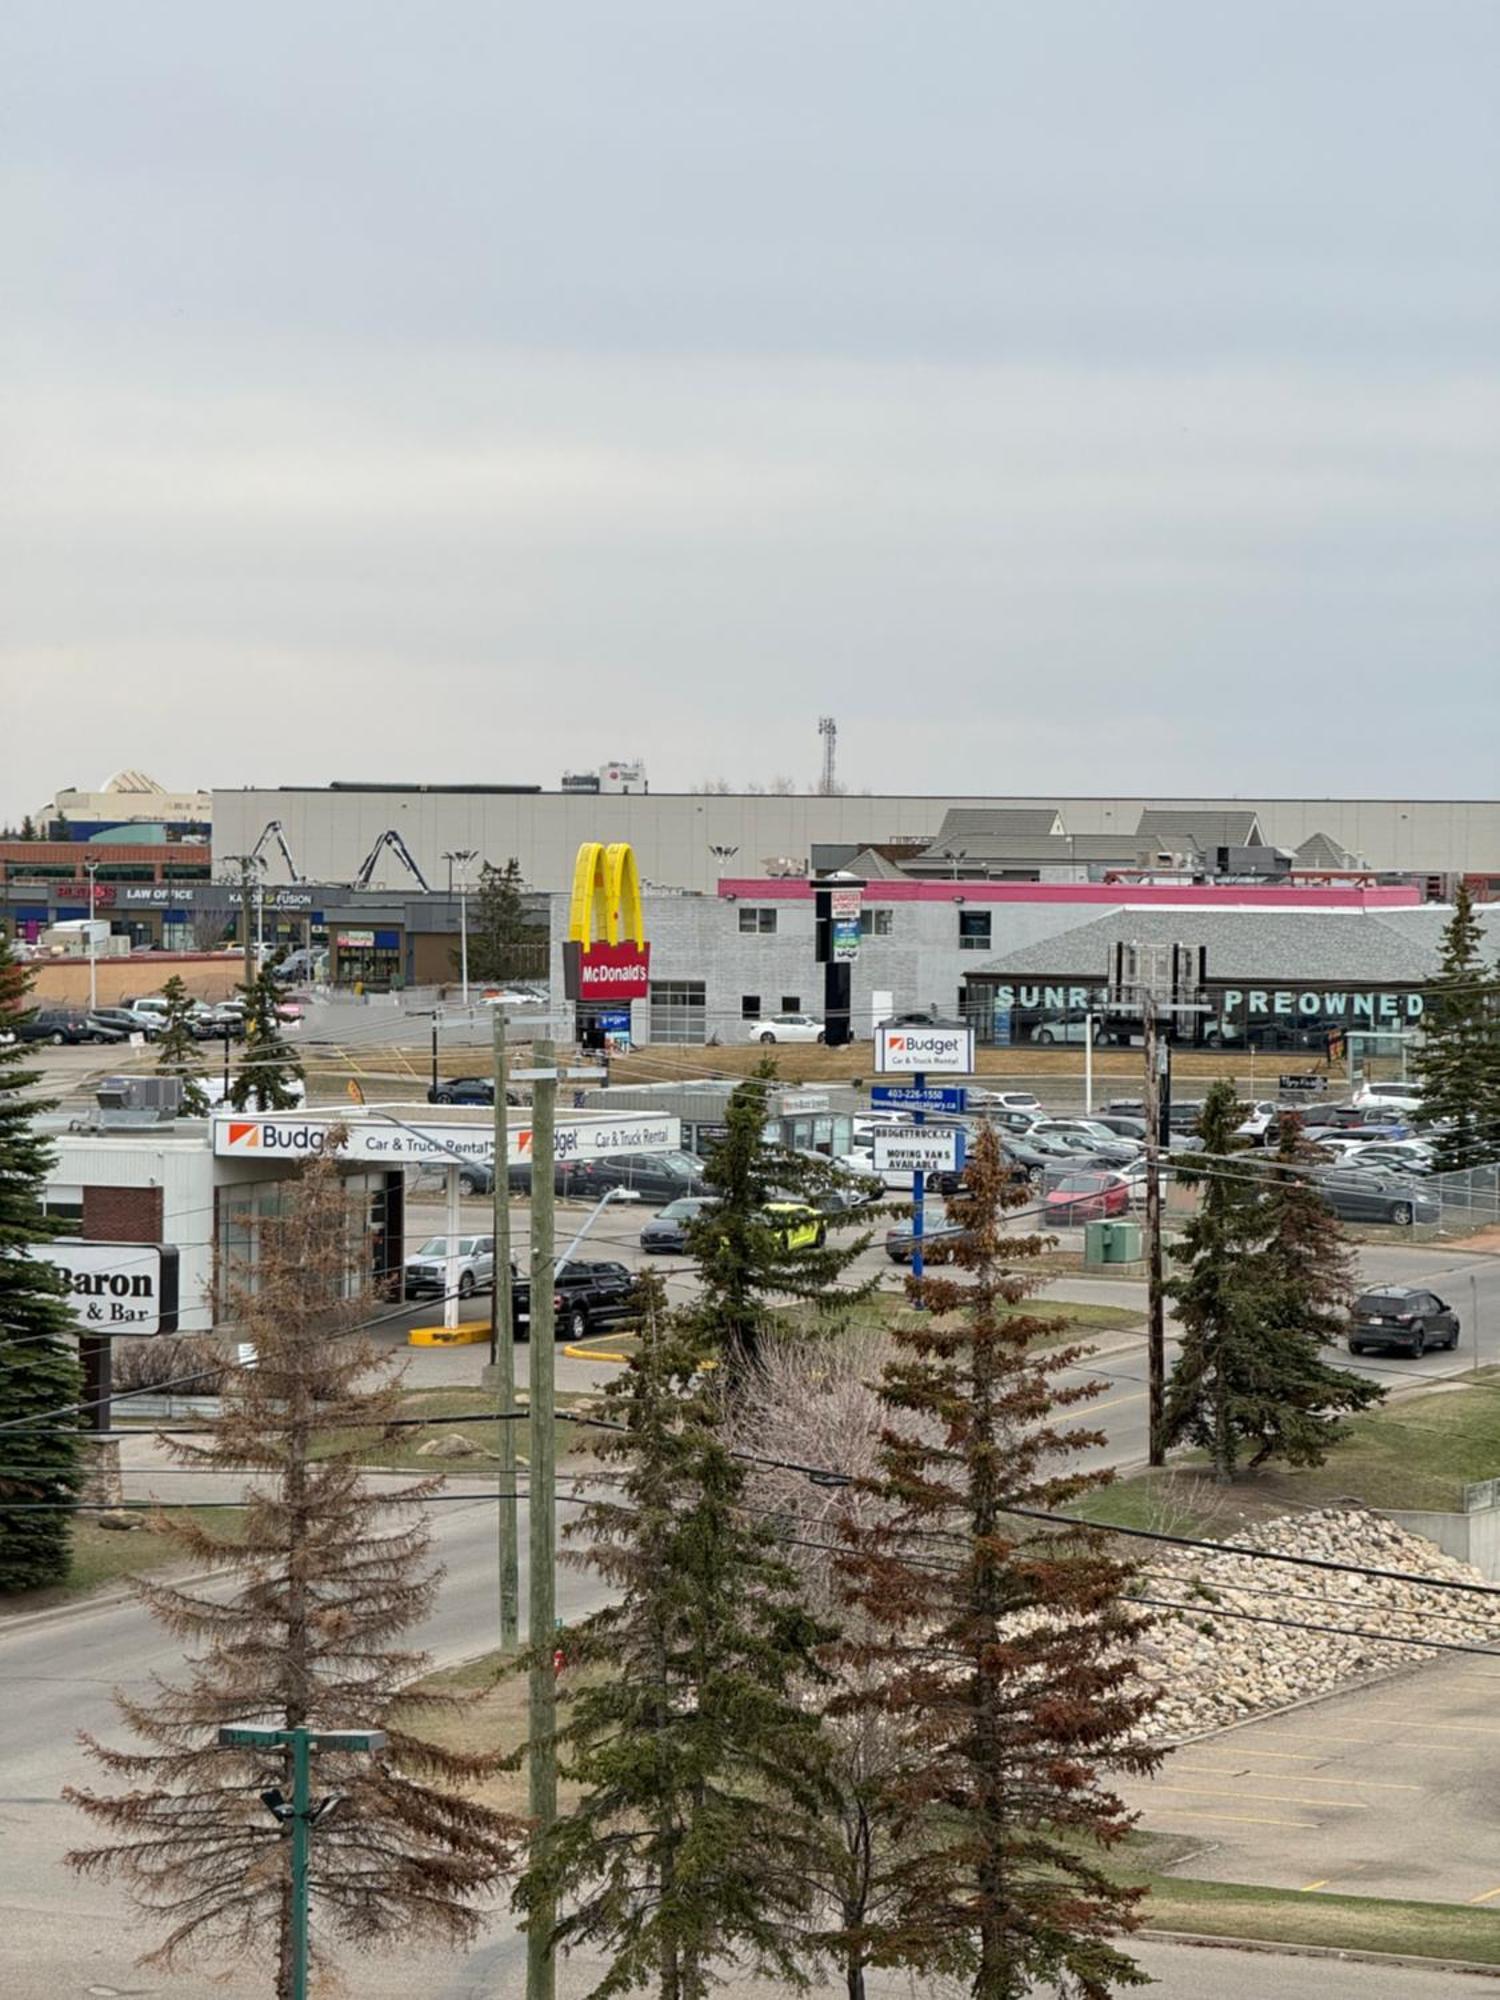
{"points": [[691, 840]]}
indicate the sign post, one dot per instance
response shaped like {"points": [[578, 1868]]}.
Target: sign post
{"points": [[913, 1050]]}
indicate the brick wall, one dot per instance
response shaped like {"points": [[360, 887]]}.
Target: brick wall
{"points": [[122, 1215]]}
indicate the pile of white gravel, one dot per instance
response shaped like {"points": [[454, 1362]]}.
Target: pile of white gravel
{"points": [[1212, 1668]]}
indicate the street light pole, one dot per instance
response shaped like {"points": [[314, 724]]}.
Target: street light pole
{"points": [[298, 1815], [462, 856]]}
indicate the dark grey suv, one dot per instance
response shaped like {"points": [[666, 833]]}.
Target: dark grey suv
{"points": [[1401, 1317]]}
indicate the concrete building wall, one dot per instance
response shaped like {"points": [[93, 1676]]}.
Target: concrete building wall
{"points": [[672, 833]]}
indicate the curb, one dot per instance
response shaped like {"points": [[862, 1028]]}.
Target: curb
{"points": [[1337, 1954]]}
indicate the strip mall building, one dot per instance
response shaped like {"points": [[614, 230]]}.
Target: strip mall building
{"points": [[1272, 967]]}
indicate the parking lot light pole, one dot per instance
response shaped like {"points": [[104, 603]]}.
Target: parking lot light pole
{"points": [[298, 1815], [462, 856], [541, 1969]]}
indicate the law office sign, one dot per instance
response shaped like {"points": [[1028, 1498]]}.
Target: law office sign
{"points": [[113, 1288], [605, 957]]}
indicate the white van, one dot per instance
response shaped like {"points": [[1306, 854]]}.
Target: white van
{"points": [[1402, 1096]]}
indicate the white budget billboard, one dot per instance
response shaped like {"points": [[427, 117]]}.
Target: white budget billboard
{"points": [[947, 1051], [272, 1136]]}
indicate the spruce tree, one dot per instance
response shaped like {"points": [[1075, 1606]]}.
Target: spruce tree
{"points": [[178, 1051], [1302, 1281], [269, 1070], [331, 1573], [1224, 1385], [38, 1369], [747, 1265], [699, 1766], [1000, 1646], [28, 828], [1458, 1060], [502, 938]]}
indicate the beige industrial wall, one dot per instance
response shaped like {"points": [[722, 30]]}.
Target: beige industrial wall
{"points": [[673, 833]]}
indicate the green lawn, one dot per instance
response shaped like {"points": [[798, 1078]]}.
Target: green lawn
{"points": [[402, 1453], [1344, 1923], [1417, 1453], [102, 1556]]}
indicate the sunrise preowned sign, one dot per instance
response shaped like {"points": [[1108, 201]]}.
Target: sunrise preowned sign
{"points": [[605, 957]]}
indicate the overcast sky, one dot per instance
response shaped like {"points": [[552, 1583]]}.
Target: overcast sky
{"points": [[1096, 395]]}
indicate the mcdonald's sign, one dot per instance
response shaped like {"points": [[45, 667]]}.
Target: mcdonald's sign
{"points": [[606, 957]]}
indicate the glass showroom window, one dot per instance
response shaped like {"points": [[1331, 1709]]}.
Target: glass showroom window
{"points": [[973, 930], [679, 1010]]}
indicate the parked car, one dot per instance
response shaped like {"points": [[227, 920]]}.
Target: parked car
{"points": [[1123, 1124], [982, 1099], [224, 1023], [1087, 1197], [464, 1090], [1048, 1032], [785, 1028], [1397, 1156], [64, 1024], [666, 1231], [799, 1225], [427, 1271], [1401, 1317], [587, 1297], [655, 1177], [1102, 1147], [1362, 1121], [1403, 1096], [1261, 1124], [1356, 1195], [900, 1242], [127, 1023]]}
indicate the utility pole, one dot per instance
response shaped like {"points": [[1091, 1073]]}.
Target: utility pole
{"points": [[540, 1957], [502, 1369], [1156, 1343], [245, 862]]}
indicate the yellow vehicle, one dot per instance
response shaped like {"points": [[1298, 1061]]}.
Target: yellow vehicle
{"points": [[798, 1226]]}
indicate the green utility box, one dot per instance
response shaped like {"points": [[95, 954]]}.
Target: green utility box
{"points": [[1111, 1243]]}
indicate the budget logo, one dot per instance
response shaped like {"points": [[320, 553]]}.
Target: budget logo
{"points": [[949, 1050], [242, 1138], [606, 957]]}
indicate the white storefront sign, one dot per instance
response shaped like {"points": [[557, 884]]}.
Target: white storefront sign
{"points": [[948, 1051], [116, 1287], [273, 1136], [910, 1149]]}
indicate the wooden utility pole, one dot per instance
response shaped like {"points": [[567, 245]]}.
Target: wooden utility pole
{"points": [[1156, 1343], [540, 1958], [503, 1356]]}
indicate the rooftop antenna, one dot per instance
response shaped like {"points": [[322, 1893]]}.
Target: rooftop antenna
{"points": [[828, 729]]}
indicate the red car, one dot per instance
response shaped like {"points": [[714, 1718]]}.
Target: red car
{"points": [[1088, 1197]]}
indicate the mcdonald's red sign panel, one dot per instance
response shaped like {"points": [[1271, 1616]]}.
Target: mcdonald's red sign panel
{"points": [[605, 956]]}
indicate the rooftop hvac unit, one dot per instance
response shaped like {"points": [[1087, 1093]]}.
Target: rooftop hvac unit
{"points": [[128, 1102]]}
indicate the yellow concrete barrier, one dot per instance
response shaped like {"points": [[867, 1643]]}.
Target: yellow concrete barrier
{"points": [[468, 1335]]}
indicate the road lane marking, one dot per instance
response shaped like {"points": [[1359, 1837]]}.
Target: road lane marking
{"points": [[1258, 1798], [1488, 1894], [1234, 1819], [1455, 1728], [1302, 1777], [1321, 1883]]}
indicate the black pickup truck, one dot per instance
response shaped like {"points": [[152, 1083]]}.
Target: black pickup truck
{"points": [[586, 1298]]}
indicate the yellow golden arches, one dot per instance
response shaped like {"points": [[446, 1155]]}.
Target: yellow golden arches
{"points": [[623, 895], [606, 903]]}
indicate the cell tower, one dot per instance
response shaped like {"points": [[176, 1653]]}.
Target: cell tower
{"points": [[828, 729]]}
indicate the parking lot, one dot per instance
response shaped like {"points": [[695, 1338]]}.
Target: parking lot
{"points": [[1329, 1797]]}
